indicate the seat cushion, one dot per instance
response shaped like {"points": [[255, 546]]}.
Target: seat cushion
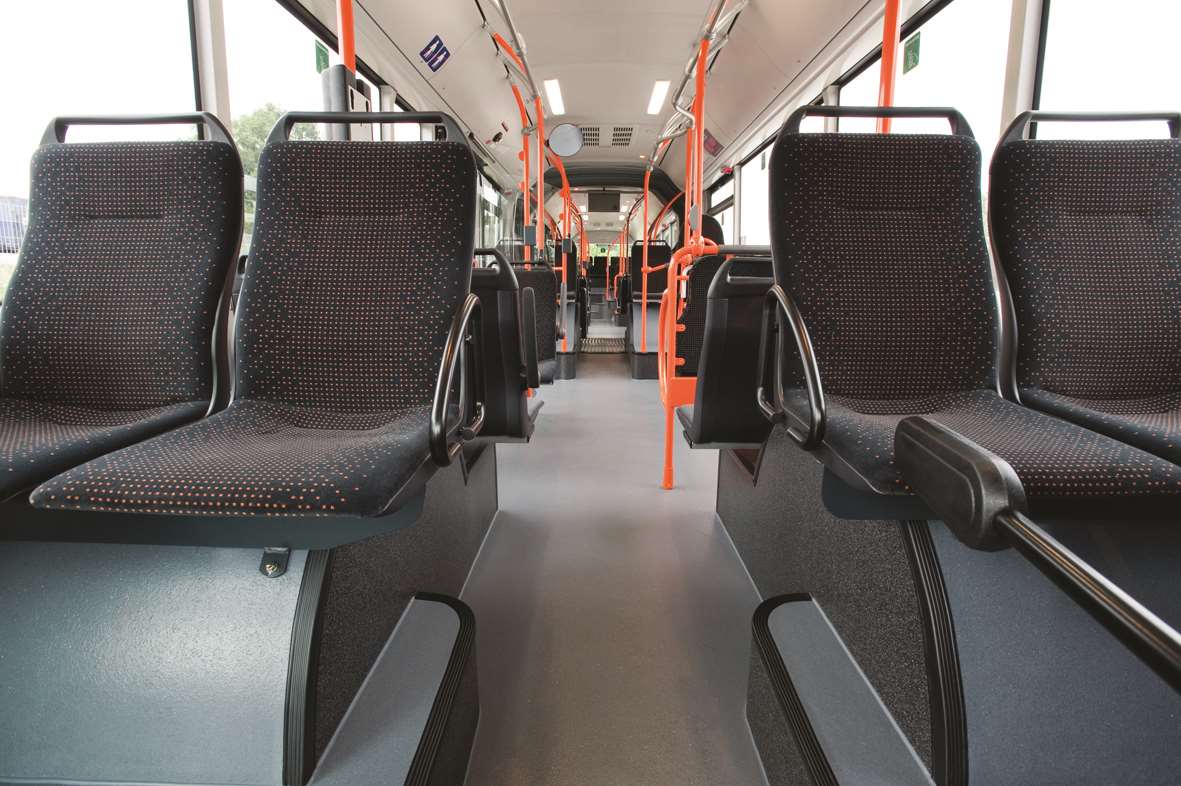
{"points": [[1151, 423], [40, 439], [1054, 459], [256, 458]]}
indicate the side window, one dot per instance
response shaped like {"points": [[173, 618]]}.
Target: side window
{"points": [[957, 59], [269, 74], [753, 182], [108, 52], [1110, 62], [490, 213]]}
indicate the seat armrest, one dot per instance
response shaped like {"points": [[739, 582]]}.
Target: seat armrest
{"points": [[981, 500], [446, 441], [964, 484], [808, 434]]}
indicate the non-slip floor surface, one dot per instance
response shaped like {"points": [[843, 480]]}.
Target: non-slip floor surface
{"points": [[613, 618]]}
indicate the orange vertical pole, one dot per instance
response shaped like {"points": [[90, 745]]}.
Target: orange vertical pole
{"points": [[644, 268], [346, 34], [676, 392], [891, 33], [537, 108]]}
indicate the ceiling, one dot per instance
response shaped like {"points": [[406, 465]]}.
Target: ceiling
{"points": [[607, 55], [605, 227]]}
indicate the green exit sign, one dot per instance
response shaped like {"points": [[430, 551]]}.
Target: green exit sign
{"points": [[321, 58], [910, 53]]}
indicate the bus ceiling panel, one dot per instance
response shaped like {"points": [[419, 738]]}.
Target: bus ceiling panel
{"points": [[770, 45], [608, 68], [443, 54]]}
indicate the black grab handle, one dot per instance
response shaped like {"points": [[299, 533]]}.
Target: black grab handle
{"points": [[959, 125], [55, 133], [1016, 129], [283, 126]]}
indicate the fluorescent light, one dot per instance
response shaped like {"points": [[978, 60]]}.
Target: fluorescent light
{"points": [[554, 92], [659, 93]]}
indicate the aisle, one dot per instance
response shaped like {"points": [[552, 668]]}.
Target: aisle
{"points": [[613, 617]]}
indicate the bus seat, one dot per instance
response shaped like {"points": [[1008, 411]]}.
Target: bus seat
{"points": [[659, 253], [541, 279], [893, 281], [360, 268], [107, 334], [506, 376], [1088, 234], [725, 413]]}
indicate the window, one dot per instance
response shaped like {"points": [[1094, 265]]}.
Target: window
{"points": [[753, 182], [1101, 57], [491, 206], [962, 56], [962, 51], [861, 90], [269, 74], [726, 219], [721, 193], [86, 66], [721, 207]]}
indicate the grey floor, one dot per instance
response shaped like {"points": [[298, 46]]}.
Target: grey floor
{"points": [[613, 617]]}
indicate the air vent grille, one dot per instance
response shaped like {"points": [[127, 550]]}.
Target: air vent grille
{"points": [[590, 135], [621, 136]]}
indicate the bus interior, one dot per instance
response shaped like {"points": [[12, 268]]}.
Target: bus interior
{"points": [[502, 392]]}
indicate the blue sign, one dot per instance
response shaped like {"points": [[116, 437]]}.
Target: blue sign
{"points": [[435, 54]]}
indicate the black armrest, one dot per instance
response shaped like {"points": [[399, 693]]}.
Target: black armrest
{"points": [[447, 441], [981, 500], [810, 432], [529, 329], [962, 482]]}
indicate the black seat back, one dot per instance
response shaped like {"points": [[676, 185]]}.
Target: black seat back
{"points": [[124, 270], [541, 279], [725, 411], [361, 257], [891, 272], [701, 274], [1088, 234], [506, 411], [596, 272], [659, 253]]}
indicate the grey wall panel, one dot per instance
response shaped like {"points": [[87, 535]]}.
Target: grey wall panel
{"points": [[1051, 696], [379, 735], [858, 571], [371, 582], [860, 739], [142, 663]]}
